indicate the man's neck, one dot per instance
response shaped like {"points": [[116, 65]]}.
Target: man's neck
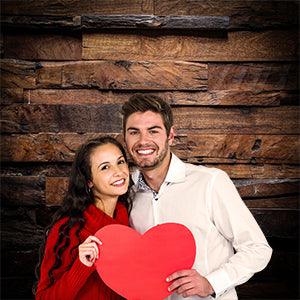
{"points": [[154, 178]]}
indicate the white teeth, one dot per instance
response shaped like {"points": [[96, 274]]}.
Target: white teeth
{"points": [[119, 182], [148, 151]]}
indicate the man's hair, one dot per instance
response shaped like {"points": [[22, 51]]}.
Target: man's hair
{"points": [[147, 102]]}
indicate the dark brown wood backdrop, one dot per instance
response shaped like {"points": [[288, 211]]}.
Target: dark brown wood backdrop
{"points": [[229, 69]]}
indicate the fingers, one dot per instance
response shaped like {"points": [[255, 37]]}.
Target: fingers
{"points": [[179, 283], [180, 273], [89, 251]]}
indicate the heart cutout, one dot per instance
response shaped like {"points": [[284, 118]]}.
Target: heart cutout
{"points": [[136, 266]]}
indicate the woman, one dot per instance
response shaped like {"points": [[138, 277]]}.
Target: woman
{"points": [[97, 196]]}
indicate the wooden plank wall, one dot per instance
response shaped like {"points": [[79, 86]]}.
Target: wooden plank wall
{"points": [[228, 68]]}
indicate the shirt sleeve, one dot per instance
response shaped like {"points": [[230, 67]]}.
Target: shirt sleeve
{"points": [[68, 280], [236, 223]]}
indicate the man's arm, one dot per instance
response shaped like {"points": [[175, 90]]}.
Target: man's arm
{"points": [[235, 222]]}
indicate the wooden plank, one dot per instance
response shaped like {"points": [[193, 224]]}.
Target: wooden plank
{"points": [[283, 203], [36, 46], [106, 118], [253, 76], [210, 120], [60, 118], [76, 7], [198, 148], [18, 73], [12, 95], [156, 22], [230, 148], [56, 188], [277, 45], [22, 190], [248, 15], [41, 22], [125, 75], [240, 171], [45, 147], [196, 98], [116, 21], [267, 193], [283, 223], [267, 188]]}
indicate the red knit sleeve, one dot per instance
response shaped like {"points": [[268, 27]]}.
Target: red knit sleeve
{"points": [[68, 282]]}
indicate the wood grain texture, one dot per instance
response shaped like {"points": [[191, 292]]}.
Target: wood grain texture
{"points": [[249, 15], [59, 118], [18, 73], [56, 188], [237, 46], [267, 188], [195, 98], [269, 120], [156, 22], [106, 118], [257, 194], [41, 22], [125, 75], [36, 46], [209, 148], [197, 148], [260, 171], [22, 191], [253, 76], [12, 95], [76, 7]]}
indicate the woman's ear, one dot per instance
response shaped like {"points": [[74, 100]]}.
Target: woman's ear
{"points": [[90, 184]]}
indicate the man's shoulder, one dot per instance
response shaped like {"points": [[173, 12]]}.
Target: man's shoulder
{"points": [[199, 170]]}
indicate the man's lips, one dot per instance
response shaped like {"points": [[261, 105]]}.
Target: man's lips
{"points": [[145, 151]]}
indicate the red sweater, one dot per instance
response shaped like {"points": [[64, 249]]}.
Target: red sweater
{"points": [[79, 282]]}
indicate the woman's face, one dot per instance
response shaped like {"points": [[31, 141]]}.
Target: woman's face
{"points": [[110, 173]]}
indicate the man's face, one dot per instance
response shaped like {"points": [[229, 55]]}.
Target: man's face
{"points": [[146, 139]]}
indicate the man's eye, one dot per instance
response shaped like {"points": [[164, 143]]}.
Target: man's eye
{"points": [[133, 132], [153, 131]]}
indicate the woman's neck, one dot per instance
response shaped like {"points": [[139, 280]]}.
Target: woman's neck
{"points": [[107, 205]]}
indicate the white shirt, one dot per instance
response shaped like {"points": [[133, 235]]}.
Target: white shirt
{"points": [[206, 201]]}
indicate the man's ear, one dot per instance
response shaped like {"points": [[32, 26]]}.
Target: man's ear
{"points": [[171, 136]]}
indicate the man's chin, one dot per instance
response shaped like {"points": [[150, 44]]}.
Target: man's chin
{"points": [[145, 165]]}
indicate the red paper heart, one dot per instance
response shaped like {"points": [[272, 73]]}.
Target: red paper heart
{"points": [[136, 266]]}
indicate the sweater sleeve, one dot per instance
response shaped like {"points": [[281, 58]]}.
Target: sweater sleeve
{"points": [[67, 280], [236, 223]]}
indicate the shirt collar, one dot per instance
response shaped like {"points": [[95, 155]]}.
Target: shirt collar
{"points": [[175, 174]]}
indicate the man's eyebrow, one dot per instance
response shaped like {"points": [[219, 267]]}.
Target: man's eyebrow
{"points": [[155, 127], [132, 128], [150, 128]]}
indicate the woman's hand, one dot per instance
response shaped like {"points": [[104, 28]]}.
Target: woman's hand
{"points": [[88, 250]]}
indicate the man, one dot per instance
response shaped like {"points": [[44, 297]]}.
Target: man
{"points": [[230, 245]]}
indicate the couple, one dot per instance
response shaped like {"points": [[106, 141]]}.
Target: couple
{"points": [[230, 245]]}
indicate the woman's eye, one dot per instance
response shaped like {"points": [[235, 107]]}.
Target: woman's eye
{"points": [[104, 168], [122, 161]]}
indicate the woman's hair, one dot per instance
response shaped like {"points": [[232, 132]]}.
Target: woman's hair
{"points": [[148, 102], [76, 200]]}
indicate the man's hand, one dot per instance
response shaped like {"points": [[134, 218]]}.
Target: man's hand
{"points": [[189, 283]]}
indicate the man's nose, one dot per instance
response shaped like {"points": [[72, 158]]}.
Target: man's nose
{"points": [[144, 137]]}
